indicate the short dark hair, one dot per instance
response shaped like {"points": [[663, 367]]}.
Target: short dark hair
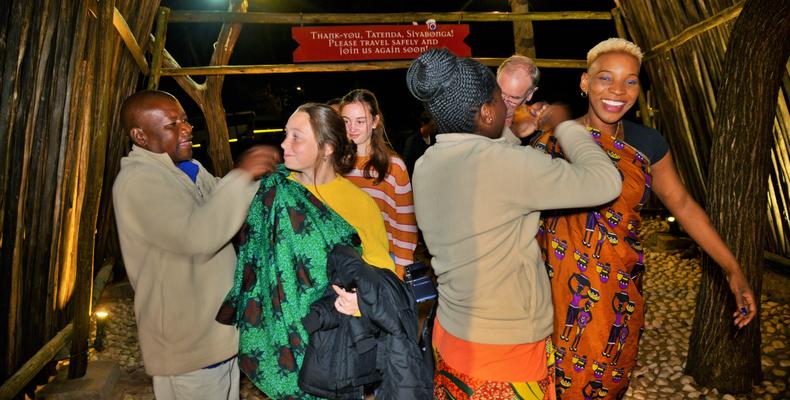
{"points": [[136, 103]]}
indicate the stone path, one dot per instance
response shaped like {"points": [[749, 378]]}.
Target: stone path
{"points": [[670, 289], [670, 286]]}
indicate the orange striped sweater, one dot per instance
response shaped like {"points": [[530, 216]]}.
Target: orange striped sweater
{"points": [[394, 198]]}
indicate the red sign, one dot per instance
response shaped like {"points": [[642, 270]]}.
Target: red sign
{"points": [[376, 42]]}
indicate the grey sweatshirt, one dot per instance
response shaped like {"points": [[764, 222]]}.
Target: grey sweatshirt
{"points": [[478, 203]]}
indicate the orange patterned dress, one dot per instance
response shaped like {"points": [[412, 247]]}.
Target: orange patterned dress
{"points": [[595, 261]]}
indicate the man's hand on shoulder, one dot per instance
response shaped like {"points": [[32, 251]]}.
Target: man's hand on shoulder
{"points": [[259, 160]]}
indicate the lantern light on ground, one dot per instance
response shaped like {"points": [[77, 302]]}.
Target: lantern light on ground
{"points": [[101, 322]]}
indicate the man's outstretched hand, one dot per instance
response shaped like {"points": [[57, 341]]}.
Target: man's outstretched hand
{"points": [[259, 160], [528, 118]]}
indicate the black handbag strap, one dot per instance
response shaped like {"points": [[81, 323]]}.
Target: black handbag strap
{"points": [[426, 337]]}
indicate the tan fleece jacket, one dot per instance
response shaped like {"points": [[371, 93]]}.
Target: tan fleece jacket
{"points": [[478, 203], [174, 237]]}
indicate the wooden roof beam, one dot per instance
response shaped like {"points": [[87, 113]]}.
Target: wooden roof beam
{"points": [[380, 18], [340, 67], [127, 36], [689, 33]]}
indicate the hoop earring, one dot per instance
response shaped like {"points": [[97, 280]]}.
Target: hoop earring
{"points": [[584, 94]]}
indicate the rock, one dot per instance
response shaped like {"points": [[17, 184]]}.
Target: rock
{"points": [[652, 366], [675, 376], [694, 395], [639, 396], [662, 382], [728, 397], [688, 388], [643, 383], [769, 349], [686, 380], [778, 344], [667, 389], [767, 362], [772, 389], [779, 372]]}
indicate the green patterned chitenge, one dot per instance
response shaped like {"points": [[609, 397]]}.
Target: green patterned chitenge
{"points": [[281, 271]]}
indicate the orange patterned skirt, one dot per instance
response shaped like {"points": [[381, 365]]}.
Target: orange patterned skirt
{"points": [[451, 384]]}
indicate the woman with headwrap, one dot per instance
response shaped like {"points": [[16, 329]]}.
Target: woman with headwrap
{"points": [[478, 200]]}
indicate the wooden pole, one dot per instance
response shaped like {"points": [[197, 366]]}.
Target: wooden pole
{"points": [[13, 148], [689, 33], [128, 39], [381, 18], [86, 239], [102, 278], [13, 385], [523, 34], [21, 377], [162, 18], [781, 260], [339, 67]]}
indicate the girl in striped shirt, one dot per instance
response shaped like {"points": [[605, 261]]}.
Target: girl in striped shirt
{"points": [[381, 173]]}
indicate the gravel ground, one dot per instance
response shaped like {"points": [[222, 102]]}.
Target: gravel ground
{"points": [[670, 286]]}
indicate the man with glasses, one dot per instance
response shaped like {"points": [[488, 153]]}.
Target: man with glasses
{"points": [[518, 79]]}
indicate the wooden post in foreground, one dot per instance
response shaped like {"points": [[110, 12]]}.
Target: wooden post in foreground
{"points": [[86, 239], [523, 35]]}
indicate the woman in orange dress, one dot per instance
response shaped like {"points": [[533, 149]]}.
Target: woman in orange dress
{"points": [[594, 256], [478, 199]]}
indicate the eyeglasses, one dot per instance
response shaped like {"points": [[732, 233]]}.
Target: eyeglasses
{"points": [[518, 100]]}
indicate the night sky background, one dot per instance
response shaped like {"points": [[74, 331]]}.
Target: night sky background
{"points": [[273, 97]]}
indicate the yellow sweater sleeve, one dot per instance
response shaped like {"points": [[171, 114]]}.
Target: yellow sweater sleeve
{"points": [[370, 227]]}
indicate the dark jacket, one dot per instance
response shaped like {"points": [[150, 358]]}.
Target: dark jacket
{"points": [[413, 148], [346, 354]]}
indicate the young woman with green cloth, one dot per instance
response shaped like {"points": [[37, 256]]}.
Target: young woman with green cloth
{"points": [[301, 211]]}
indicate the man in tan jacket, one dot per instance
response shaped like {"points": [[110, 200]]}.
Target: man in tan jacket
{"points": [[175, 221]]}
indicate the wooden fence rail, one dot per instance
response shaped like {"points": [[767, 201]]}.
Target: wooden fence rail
{"points": [[24, 375]]}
